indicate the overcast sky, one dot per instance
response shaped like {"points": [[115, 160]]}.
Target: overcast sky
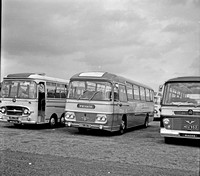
{"points": [[148, 41]]}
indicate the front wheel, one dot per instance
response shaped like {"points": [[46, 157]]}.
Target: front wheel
{"points": [[122, 129], [82, 130], [52, 122], [146, 123], [168, 140], [17, 124], [62, 121]]}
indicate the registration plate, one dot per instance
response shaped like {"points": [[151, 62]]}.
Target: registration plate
{"points": [[188, 135], [191, 127], [13, 118], [85, 125]]}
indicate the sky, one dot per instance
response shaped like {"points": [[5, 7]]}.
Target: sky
{"points": [[148, 41]]}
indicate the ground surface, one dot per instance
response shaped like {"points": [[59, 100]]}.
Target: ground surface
{"points": [[40, 150]]}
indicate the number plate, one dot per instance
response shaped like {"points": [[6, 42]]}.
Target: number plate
{"points": [[191, 127], [13, 118], [188, 135], [85, 125]]}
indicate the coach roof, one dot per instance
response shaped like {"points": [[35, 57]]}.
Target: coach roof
{"points": [[104, 76], [40, 76], [185, 78]]}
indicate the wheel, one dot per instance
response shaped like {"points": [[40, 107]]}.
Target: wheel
{"points": [[52, 122], [82, 130], [146, 123], [168, 140], [122, 129], [62, 121], [17, 124]]}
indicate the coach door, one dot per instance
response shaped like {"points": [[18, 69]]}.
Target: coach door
{"points": [[41, 101], [120, 102]]}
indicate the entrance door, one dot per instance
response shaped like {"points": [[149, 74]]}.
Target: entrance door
{"points": [[41, 102]]}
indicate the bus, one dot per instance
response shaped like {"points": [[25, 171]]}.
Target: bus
{"points": [[157, 101], [105, 101], [33, 98], [157, 106], [180, 108]]}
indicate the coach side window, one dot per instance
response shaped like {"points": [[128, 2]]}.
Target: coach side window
{"points": [[147, 94], [122, 93], [129, 91], [57, 93], [51, 90], [116, 92], [136, 92], [63, 91], [151, 95], [142, 93]]}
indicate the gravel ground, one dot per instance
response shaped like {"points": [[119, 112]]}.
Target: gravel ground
{"points": [[38, 150]]}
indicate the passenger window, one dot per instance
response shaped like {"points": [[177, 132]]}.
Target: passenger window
{"points": [[136, 92], [147, 94], [57, 92], [116, 92], [129, 91], [151, 95], [51, 90], [142, 93], [63, 91], [122, 93]]}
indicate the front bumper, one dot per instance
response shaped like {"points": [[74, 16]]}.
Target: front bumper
{"points": [[91, 126], [16, 120], [179, 133]]}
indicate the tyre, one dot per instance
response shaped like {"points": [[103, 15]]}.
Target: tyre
{"points": [[52, 122], [62, 121], [168, 140], [146, 123], [17, 124], [82, 130], [122, 129]]}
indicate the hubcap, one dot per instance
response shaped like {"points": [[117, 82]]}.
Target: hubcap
{"points": [[62, 120], [123, 125], [52, 121]]}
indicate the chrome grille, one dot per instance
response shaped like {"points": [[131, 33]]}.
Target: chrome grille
{"points": [[14, 110], [189, 124]]}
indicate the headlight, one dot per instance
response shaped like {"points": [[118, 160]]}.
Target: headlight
{"points": [[166, 121], [167, 124], [3, 110], [101, 118], [26, 111], [70, 116]]}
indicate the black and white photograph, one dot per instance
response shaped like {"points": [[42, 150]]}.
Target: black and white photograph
{"points": [[100, 87]]}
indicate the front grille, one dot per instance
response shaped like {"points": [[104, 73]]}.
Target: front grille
{"points": [[14, 110], [85, 117], [188, 124]]}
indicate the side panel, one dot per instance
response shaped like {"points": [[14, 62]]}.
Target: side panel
{"points": [[54, 106], [137, 112]]}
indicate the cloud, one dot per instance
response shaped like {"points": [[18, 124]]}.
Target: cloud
{"points": [[135, 38]]}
